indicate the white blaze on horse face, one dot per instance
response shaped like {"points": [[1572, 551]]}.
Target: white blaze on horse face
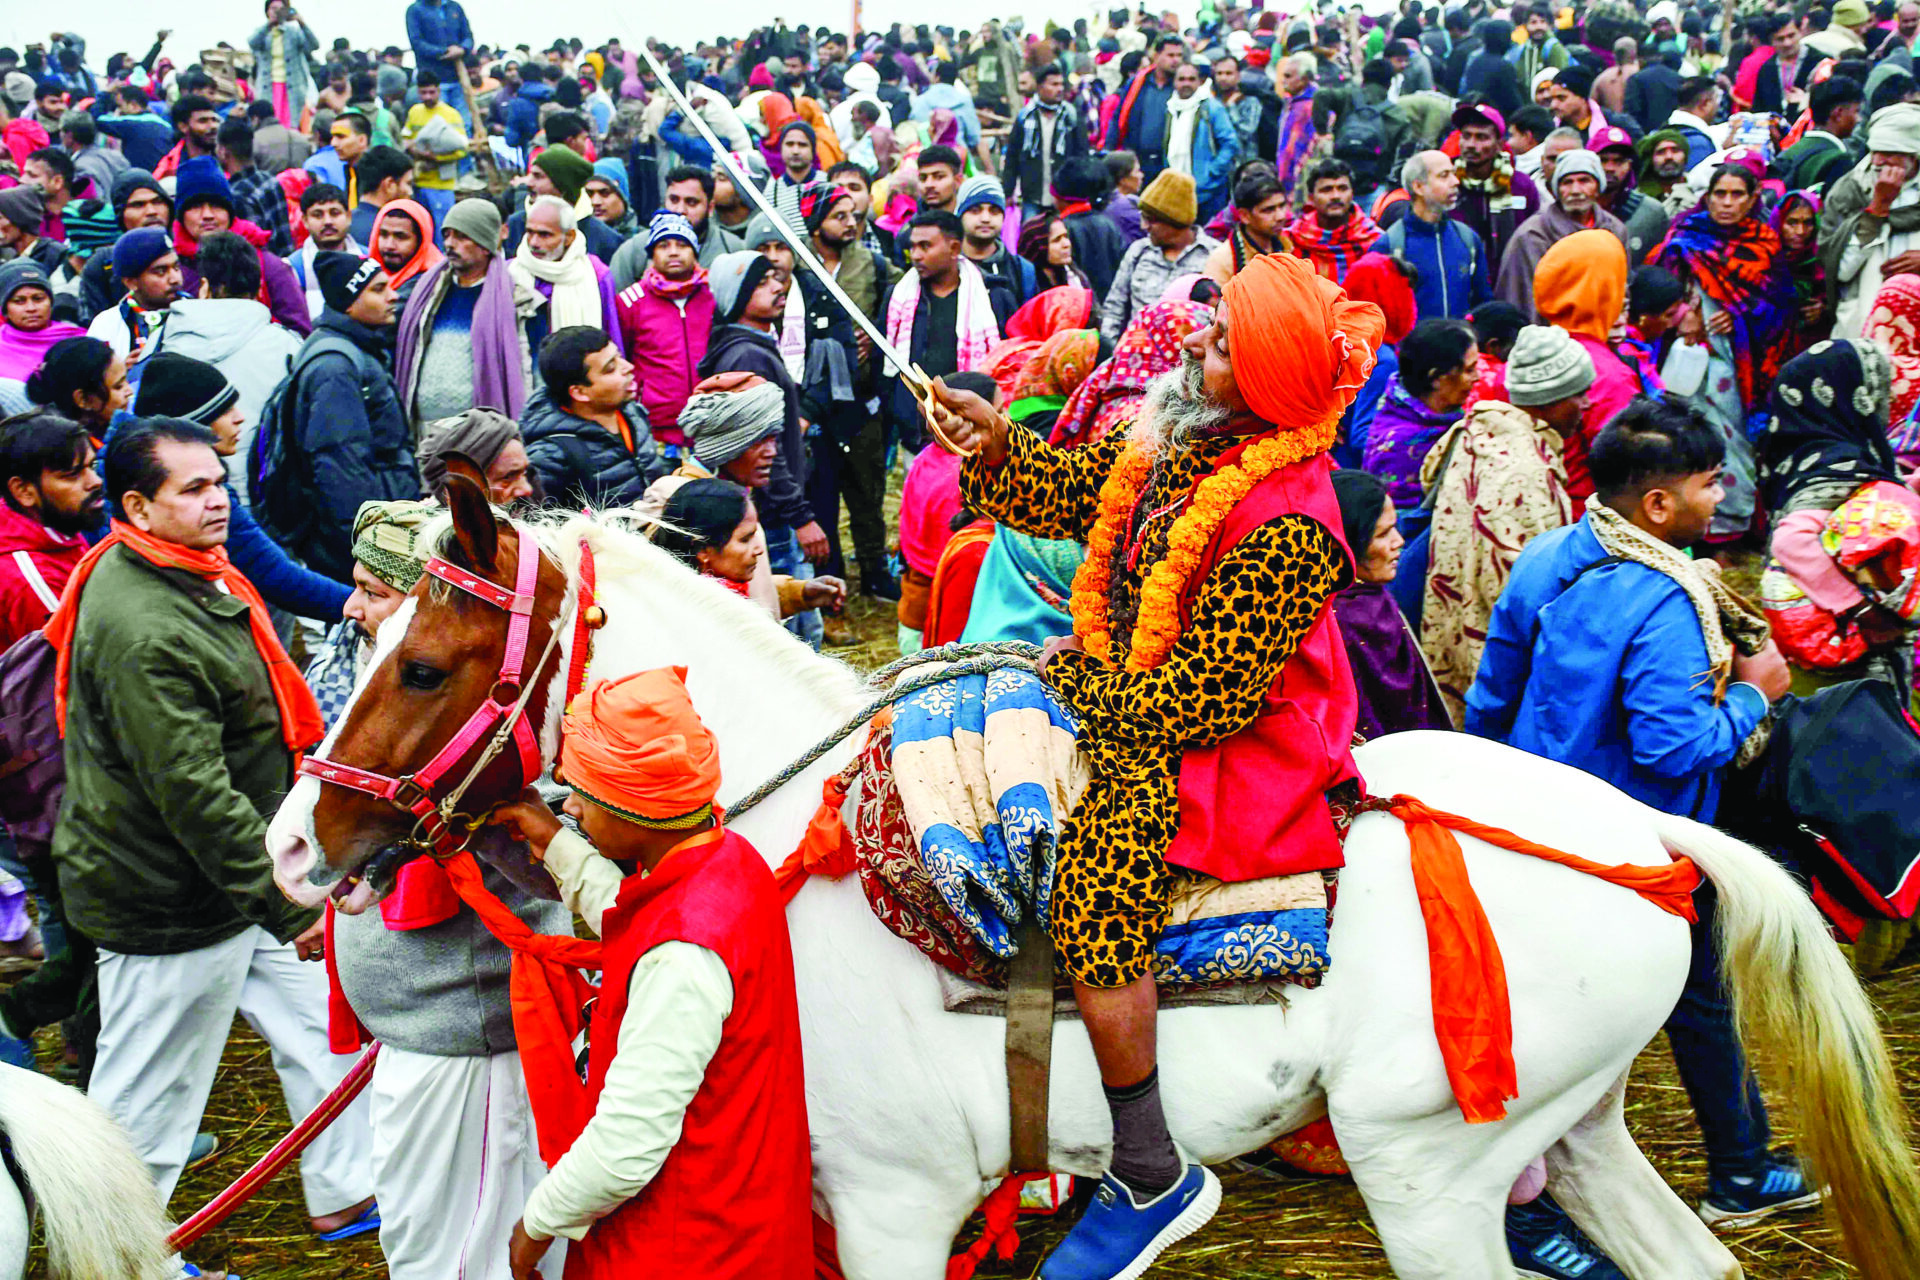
{"points": [[291, 842]]}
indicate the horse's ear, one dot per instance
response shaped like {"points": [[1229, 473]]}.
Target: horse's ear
{"points": [[459, 464], [476, 539]]}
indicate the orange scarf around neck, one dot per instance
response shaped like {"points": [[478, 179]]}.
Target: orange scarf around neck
{"points": [[300, 724]]}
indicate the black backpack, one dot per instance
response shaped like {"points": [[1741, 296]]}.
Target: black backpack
{"points": [[1360, 140], [275, 491], [1837, 798]]}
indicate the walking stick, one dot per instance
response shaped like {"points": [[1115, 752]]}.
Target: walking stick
{"points": [[223, 1206]]}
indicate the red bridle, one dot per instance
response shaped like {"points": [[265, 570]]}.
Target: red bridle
{"points": [[501, 721]]}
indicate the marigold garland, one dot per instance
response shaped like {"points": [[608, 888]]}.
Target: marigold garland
{"points": [[1157, 628]]}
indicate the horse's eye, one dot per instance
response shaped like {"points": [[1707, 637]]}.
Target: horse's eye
{"points": [[418, 675]]}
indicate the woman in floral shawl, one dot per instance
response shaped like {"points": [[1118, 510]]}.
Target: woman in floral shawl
{"points": [[1113, 392], [1730, 259], [1797, 220], [1052, 374], [1894, 323], [1826, 449]]}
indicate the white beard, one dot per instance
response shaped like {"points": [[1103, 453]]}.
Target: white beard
{"points": [[1177, 410]]}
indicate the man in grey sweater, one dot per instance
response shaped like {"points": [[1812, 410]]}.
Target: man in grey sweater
{"points": [[454, 1151]]}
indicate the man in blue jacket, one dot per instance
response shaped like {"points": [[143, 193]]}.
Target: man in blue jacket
{"points": [[1201, 140], [1447, 254], [1597, 656], [347, 439], [441, 37]]}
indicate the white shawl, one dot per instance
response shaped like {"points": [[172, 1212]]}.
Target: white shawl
{"points": [[576, 288]]}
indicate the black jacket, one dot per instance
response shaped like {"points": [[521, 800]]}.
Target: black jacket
{"points": [[783, 502], [1652, 93], [1098, 247], [1768, 93], [581, 462], [351, 442], [1022, 165], [899, 102], [902, 410]]}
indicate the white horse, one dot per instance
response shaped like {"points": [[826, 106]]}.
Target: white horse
{"points": [[94, 1194], [907, 1103]]}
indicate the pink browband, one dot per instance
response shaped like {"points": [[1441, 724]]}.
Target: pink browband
{"points": [[502, 718]]}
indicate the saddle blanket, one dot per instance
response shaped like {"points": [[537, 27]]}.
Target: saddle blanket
{"points": [[955, 822]]}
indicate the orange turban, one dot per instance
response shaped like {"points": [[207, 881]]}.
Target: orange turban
{"points": [[1581, 283], [1301, 349], [637, 747]]}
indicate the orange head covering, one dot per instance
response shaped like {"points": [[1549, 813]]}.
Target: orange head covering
{"points": [[1376, 278], [775, 110], [425, 256], [1581, 283], [637, 747], [1300, 347]]}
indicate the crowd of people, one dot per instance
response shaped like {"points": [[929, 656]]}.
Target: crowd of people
{"points": [[1650, 291]]}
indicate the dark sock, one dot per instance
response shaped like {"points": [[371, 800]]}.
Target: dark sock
{"points": [[1143, 1154]]}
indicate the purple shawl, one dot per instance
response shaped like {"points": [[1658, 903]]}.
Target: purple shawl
{"points": [[1403, 430], [1397, 692], [21, 352], [497, 379]]}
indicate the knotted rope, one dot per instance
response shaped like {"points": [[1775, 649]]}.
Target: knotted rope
{"points": [[965, 659]]}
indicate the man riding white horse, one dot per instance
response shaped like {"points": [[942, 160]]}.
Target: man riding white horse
{"points": [[1213, 693]]}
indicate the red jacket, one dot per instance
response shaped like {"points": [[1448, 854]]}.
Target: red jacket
{"points": [[1253, 805], [35, 563], [666, 339], [734, 1200]]}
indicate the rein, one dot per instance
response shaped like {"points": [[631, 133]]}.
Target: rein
{"points": [[501, 721]]}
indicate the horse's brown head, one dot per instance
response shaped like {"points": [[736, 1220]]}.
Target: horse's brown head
{"points": [[421, 699]]}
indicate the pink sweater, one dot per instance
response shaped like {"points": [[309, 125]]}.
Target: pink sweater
{"points": [[1796, 547]]}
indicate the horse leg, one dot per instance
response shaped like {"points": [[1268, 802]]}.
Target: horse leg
{"points": [[1604, 1182], [1437, 1192], [902, 1231], [14, 1228]]}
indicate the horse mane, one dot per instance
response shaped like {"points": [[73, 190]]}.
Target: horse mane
{"points": [[622, 550]]}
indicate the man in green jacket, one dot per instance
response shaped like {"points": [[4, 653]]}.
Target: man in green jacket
{"points": [[180, 721]]}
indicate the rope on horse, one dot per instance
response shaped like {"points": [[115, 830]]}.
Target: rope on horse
{"points": [[965, 659]]}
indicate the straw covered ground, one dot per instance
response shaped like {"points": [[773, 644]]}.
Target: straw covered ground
{"points": [[1313, 1229]]}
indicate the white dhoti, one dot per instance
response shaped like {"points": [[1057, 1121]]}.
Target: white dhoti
{"points": [[164, 1021], [454, 1159]]}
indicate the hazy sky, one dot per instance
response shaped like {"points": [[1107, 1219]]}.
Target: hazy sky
{"points": [[197, 24]]}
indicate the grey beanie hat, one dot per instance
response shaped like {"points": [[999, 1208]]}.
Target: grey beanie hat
{"points": [[733, 277], [477, 219], [1577, 162], [1546, 365], [761, 229]]}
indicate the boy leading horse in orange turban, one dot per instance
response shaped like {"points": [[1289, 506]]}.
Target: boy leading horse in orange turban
{"points": [[695, 1161]]}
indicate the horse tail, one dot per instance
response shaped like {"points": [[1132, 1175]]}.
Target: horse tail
{"points": [[96, 1199], [1796, 1002]]}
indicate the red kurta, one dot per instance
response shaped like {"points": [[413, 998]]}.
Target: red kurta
{"points": [[1253, 805], [734, 1199]]}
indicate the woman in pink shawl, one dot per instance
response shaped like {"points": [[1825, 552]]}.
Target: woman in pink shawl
{"points": [[943, 130], [1112, 393], [27, 327]]}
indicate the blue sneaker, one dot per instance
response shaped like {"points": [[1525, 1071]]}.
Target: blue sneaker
{"points": [[1118, 1238], [190, 1272], [16, 1052], [1733, 1203], [1546, 1245]]}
